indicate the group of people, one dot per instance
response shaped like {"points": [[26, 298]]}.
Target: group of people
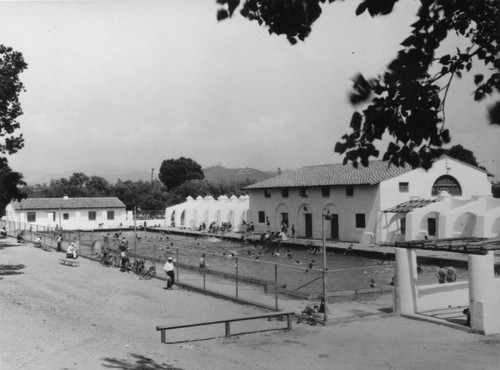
{"points": [[448, 275]]}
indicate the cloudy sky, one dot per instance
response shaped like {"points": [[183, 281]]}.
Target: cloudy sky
{"points": [[131, 83]]}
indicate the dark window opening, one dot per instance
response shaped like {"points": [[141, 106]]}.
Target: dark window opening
{"points": [[360, 220]]}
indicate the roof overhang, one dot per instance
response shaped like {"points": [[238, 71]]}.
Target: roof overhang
{"points": [[409, 205]]}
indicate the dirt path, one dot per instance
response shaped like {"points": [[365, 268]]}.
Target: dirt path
{"points": [[90, 317]]}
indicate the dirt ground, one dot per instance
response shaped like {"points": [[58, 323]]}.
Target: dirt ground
{"points": [[91, 317]]}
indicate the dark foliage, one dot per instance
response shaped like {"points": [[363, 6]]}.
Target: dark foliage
{"points": [[174, 172], [407, 102], [11, 66]]}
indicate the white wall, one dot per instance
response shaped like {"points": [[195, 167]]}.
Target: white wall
{"points": [[78, 218], [364, 201]]}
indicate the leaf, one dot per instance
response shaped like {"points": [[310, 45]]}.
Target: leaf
{"points": [[222, 14], [356, 121], [361, 8], [478, 79]]}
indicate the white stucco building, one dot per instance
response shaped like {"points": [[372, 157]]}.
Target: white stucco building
{"points": [[194, 212], [363, 202], [68, 213]]}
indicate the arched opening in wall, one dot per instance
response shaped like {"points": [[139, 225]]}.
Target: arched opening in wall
{"points": [[446, 183], [465, 226], [495, 228], [396, 228], [230, 219], [183, 218], [205, 219], [429, 226], [282, 216], [304, 220], [172, 219], [216, 217], [332, 228]]}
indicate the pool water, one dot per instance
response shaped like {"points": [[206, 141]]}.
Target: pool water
{"points": [[344, 272]]}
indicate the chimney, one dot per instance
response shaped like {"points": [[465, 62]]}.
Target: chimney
{"points": [[279, 170]]}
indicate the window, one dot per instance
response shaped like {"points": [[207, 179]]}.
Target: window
{"points": [[31, 216], [303, 192], [325, 191], [65, 216], [446, 183], [349, 190], [267, 193], [284, 192], [360, 220], [92, 215], [431, 226], [262, 217], [111, 215], [404, 187]]}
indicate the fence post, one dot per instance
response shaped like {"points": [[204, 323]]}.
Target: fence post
{"points": [[237, 265], [276, 285], [177, 264], [204, 267]]}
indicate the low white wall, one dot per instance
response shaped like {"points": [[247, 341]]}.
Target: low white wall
{"points": [[439, 296]]}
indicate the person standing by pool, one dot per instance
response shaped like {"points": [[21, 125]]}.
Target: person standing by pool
{"points": [[293, 231], [451, 274], [169, 271], [59, 243], [202, 261], [441, 275]]}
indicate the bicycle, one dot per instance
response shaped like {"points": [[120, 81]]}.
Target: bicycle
{"points": [[148, 274]]}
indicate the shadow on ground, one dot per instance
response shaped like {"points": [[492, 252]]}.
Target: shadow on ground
{"points": [[138, 363], [11, 269]]}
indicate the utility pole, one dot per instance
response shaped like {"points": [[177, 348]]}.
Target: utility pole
{"points": [[152, 170]]}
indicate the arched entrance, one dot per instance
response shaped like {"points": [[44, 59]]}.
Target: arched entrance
{"points": [[172, 219], [429, 225], [465, 225]]}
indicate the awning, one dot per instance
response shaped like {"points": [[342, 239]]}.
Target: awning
{"points": [[409, 205]]}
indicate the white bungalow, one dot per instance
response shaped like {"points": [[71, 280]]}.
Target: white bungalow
{"points": [[362, 203], [68, 213], [195, 212]]}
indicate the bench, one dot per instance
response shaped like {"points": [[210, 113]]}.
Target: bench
{"points": [[227, 323], [69, 263]]}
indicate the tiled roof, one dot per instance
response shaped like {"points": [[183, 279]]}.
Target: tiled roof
{"points": [[68, 203], [409, 205], [334, 174]]}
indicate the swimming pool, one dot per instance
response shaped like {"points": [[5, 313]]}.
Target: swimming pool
{"points": [[300, 272]]}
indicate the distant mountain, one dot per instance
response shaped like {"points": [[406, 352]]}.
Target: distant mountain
{"points": [[112, 173], [229, 175], [108, 171]]}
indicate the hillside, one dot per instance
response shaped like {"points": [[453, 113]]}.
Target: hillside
{"points": [[230, 175]]}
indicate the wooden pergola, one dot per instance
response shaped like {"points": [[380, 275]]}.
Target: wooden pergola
{"points": [[458, 245]]}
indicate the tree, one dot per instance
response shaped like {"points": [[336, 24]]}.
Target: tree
{"points": [[462, 154], [11, 66], [10, 185], [174, 172], [408, 100]]}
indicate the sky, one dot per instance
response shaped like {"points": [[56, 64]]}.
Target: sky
{"points": [[132, 83]]}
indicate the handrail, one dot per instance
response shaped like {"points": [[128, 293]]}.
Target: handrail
{"points": [[227, 323]]}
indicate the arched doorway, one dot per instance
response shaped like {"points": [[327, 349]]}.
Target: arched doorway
{"points": [[172, 219], [448, 184], [183, 218], [429, 225], [465, 225]]}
